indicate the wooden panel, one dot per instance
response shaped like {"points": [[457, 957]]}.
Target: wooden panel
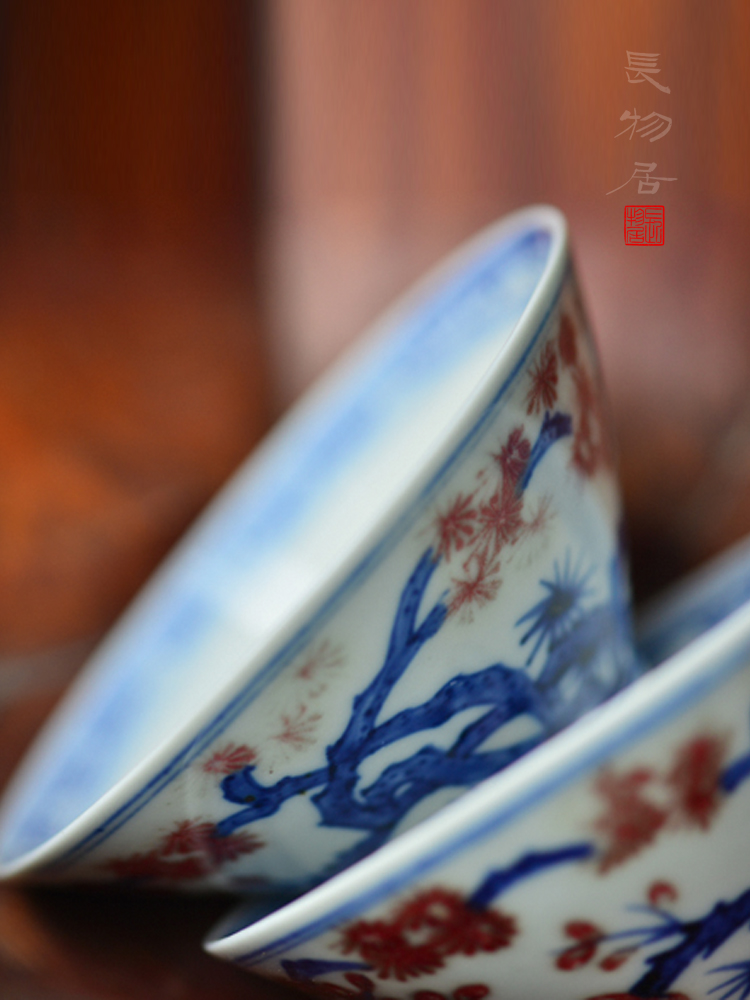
{"points": [[402, 126], [131, 363]]}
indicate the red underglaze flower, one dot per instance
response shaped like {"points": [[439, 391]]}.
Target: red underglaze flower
{"points": [[567, 341], [298, 731], [229, 759], [477, 588], [456, 527], [590, 445], [364, 989], [424, 932], [542, 393], [660, 892], [191, 850], [631, 821], [688, 794], [587, 937], [500, 520], [695, 779], [513, 457]]}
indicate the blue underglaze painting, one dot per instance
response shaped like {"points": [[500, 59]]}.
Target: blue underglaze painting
{"points": [[572, 655], [660, 939]]}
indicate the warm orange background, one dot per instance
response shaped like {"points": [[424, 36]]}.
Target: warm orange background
{"points": [[201, 203]]}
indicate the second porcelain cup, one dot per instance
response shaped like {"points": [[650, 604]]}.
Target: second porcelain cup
{"points": [[415, 580]]}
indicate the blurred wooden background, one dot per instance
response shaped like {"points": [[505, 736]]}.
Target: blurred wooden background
{"points": [[202, 203]]}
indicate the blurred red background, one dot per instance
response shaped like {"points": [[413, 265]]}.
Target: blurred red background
{"points": [[202, 203]]}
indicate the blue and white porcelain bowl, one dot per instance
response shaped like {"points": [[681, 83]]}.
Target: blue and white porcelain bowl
{"points": [[611, 863], [414, 581]]}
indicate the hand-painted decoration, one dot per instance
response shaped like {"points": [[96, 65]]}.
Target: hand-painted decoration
{"points": [[423, 934], [572, 635], [573, 650]]}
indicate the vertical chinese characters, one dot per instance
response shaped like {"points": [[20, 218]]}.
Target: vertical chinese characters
{"points": [[644, 224]]}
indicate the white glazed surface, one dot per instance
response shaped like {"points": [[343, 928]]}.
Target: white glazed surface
{"points": [[610, 863], [435, 527]]}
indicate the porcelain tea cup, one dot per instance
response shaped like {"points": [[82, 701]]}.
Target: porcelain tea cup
{"points": [[609, 863], [415, 580]]}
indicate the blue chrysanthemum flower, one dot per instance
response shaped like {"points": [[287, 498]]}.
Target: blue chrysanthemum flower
{"points": [[554, 615]]}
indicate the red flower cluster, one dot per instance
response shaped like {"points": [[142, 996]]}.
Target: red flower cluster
{"points": [[567, 342], [191, 850], [364, 989], [298, 731], [424, 932], [590, 445], [514, 456], [229, 759], [323, 657], [694, 780], [688, 794], [456, 527], [587, 938], [481, 527], [478, 587], [542, 394]]}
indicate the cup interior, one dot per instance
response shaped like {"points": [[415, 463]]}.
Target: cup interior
{"points": [[311, 495]]}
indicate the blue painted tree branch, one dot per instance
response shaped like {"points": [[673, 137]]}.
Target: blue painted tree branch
{"points": [[554, 427], [530, 864], [700, 938], [506, 692]]}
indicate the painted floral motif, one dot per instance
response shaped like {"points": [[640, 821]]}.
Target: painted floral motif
{"points": [[694, 787], [642, 802], [591, 447], [230, 758], [472, 530], [542, 394], [476, 527], [478, 587], [361, 987], [572, 633], [421, 935], [298, 730], [424, 932], [513, 457], [482, 524], [471, 536], [317, 666], [685, 941], [551, 618], [567, 341], [457, 526], [191, 850]]}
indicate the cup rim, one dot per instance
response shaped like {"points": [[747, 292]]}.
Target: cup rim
{"points": [[655, 698], [59, 851]]}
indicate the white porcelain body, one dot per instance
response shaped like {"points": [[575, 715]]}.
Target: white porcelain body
{"points": [[610, 863], [415, 581]]}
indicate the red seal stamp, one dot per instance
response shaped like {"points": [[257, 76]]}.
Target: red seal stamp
{"points": [[644, 225]]}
